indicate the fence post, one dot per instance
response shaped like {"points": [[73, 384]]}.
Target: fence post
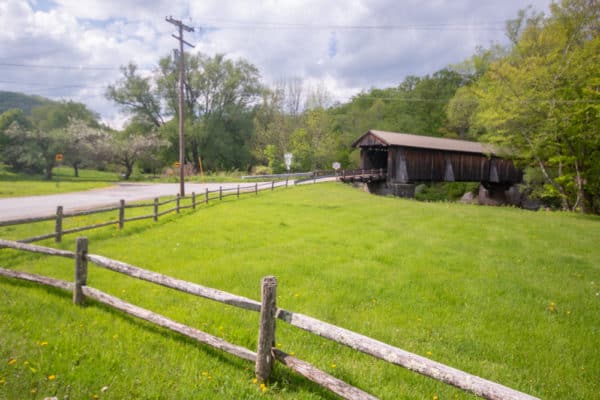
{"points": [[193, 200], [272, 185], [238, 191], [155, 209], [266, 333], [80, 270], [220, 192], [206, 195], [121, 214], [58, 225], [256, 188], [286, 181], [177, 203]]}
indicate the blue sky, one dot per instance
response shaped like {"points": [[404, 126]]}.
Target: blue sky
{"points": [[72, 49]]}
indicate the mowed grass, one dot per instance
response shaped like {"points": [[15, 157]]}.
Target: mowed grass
{"points": [[509, 295], [63, 181]]}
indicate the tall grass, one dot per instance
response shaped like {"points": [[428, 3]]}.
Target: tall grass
{"points": [[503, 293]]}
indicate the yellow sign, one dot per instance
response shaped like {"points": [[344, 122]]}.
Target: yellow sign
{"points": [[59, 157], [177, 164]]}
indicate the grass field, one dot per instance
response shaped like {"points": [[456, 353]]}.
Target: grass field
{"points": [[509, 295], [15, 185]]}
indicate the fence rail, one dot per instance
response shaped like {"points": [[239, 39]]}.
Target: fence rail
{"points": [[194, 200], [269, 312]]}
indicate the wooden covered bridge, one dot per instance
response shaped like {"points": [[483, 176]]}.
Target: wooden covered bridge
{"points": [[393, 162]]}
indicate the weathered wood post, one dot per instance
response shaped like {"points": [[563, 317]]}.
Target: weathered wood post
{"points": [[238, 191], [256, 188], [177, 199], [206, 196], [272, 185], [121, 213], [193, 200], [155, 209], [58, 225], [220, 192], [80, 270], [266, 333]]}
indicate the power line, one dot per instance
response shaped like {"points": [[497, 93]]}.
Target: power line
{"points": [[67, 67], [237, 24]]}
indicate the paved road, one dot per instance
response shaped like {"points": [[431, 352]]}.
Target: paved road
{"points": [[37, 206]]}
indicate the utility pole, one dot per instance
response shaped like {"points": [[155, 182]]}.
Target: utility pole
{"points": [[182, 27]]}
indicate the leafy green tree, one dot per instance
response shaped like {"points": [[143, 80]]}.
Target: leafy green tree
{"points": [[138, 141], [542, 100], [219, 95], [31, 143]]}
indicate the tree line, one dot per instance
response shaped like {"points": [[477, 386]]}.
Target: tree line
{"points": [[538, 98]]}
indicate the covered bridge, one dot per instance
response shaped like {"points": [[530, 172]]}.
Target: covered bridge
{"points": [[405, 159]]}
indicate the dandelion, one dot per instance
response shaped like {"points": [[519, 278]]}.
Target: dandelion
{"points": [[204, 373], [95, 396], [254, 380], [435, 397], [552, 307], [263, 387], [51, 377], [429, 353], [12, 361], [44, 343], [2, 381], [333, 366], [104, 389]]}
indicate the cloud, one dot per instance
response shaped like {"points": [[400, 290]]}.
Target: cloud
{"points": [[348, 46]]}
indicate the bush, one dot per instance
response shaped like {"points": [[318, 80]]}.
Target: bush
{"points": [[445, 191]]}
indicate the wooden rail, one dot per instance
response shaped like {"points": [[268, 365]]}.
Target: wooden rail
{"points": [[269, 312], [363, 175], [194, 201]]}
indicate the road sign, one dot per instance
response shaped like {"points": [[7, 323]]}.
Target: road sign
{"points": [[336, 165], [59, 157]]}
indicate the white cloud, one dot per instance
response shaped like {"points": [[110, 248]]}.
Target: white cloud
{"points": [[326, 43]]}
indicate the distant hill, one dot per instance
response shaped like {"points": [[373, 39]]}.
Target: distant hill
{"points": [[22, 101]]}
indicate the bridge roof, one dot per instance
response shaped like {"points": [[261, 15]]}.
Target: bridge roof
{"points": [[382, 138]]}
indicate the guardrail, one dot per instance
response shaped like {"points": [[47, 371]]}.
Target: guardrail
{"points": [[269, 312]]}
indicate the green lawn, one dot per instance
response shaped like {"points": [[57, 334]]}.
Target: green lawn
{"points": [[506, 294], [16, 185]]}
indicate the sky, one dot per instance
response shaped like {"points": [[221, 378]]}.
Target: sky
{"points": [[72, 49]]}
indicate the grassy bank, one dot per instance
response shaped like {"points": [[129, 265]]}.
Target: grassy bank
{"points": [[503, 293]]}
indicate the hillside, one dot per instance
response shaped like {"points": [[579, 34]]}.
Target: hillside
{"points": [[22, 101]]}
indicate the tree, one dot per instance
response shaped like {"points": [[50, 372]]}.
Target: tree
{"points": [[219, 95], [136, 96], [137, 141], [543, 99], [32, 142]]}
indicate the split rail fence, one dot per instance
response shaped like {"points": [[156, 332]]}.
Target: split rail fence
{"points": [[266, 353], [181, 203]]}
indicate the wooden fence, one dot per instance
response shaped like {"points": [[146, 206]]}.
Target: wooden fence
{"points": [[181, 203], [269, 313]]}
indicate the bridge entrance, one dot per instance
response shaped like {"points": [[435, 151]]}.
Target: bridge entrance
{"points": [[375, 157]]}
